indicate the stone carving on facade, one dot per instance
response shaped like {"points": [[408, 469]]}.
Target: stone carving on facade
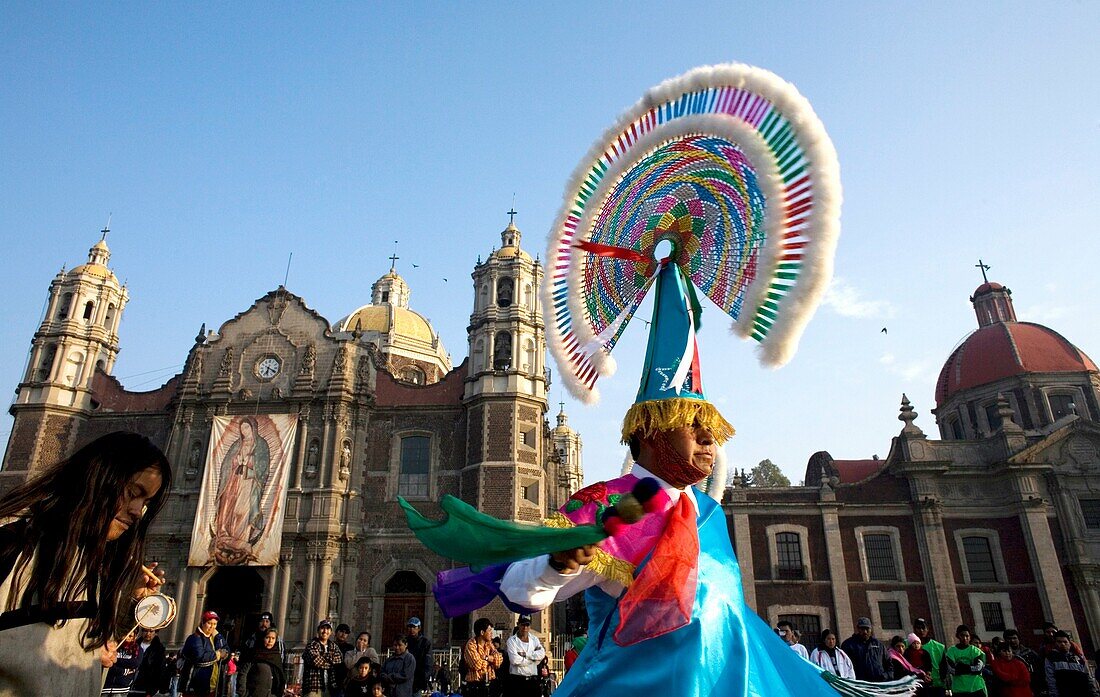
{"points": [[309, 361], [345, 462], [340, 362], [276, 392], [334, 599], [194, 461], [276, 307], [294, 613], [227, 363], [313, 459], [245, 393], [196, 364]]}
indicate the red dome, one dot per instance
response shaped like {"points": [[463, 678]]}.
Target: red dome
{"points": [[1005, 349], [988, 287]]}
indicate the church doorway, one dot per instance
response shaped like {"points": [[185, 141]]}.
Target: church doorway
{"points": [[236, 593], [406, 596]]}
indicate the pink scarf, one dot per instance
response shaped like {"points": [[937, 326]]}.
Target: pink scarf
{"points": [[895, 655]]}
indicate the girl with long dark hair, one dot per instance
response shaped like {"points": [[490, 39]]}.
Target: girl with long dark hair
{"points": [[72, 543]]}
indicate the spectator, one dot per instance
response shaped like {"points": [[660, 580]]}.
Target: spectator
{"points": [[900, 667], [482, 660], [320, 657], [340, 672], [151, 676], [256, 639], [496, 685], [231, 671], [524, 652], [361, 649], [867, 653], [202, 655], [1033, 660], [1011, 676], [547, 681], [1068, 673], [172, 669], [786, 632], [361, 681], [831, 658], [442, 678], [121, 675], [920, 659], [421, 649], [1047, 644], [937, 667], [262, 674], [965, 662], [399, 670], [574, 651]]}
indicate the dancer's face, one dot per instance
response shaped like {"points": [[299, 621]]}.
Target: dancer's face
{"points": [[681, 456], [141, 488]]}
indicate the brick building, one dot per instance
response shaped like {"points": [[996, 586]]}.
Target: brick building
{"points": [[381, 412], [996, 524]]}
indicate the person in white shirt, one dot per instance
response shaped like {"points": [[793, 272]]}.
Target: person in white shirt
{"points": [[785, 630], [524, 653], [831, 657]]}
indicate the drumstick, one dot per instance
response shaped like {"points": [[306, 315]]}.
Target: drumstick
{"points": [[151, 575]]}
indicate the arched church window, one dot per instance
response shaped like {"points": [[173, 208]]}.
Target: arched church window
{"points": [[505, 291], [413, 374], [529, 296], [66, 303], [406, 582], [109, 320], [483, 297], [76, 368], [46, 367], [529, 356], [954, 428], [412, 481], [502, 351], [89, 308]]}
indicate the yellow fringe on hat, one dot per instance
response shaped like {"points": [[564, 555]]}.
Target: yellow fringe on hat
{"points": [[645, 419]]}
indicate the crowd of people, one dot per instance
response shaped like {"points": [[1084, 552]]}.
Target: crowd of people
{"points": [[969, 667]]}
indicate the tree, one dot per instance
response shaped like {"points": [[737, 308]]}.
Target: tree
{"points": [[767, 473]]}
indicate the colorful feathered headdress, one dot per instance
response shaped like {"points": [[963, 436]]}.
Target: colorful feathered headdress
{"points": [[731, 168]]}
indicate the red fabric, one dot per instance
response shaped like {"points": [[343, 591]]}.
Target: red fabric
{"points": [[661, 597], [609, 251], [1012, 678]]}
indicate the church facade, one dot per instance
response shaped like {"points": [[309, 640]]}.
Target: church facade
{"points": [[378, 411], [995, 524]]}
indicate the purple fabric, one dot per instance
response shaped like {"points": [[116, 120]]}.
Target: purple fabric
{"points": [[459, 591]]}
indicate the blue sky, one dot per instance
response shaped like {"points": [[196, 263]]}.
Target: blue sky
{"points": [[224, 138]]}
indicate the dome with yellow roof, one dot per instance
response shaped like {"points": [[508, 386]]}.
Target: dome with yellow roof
{"points": [[398, 332], [509, 244]]}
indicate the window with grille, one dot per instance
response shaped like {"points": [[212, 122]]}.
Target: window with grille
{"points": [[881, 565], [808, 625], [979, 560], [413, 480], [1060, 405], [788, 553], [1090, 509], [993, 617], [889, 614]]}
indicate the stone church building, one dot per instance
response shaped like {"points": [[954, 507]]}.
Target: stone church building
{"points": [[996, 524], [381, 412]]}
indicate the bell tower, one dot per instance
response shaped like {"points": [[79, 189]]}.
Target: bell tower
{"points": [[77, 335], [506, 384]]}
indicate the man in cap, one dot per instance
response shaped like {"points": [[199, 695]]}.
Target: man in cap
{"points": [[320, 657], [936, 652], [867, 653], [524, 653], [265, 622], [421, 649]]}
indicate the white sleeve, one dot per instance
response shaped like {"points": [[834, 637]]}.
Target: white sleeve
{"points": [[533, 584], [511, 648], [539, 652]]}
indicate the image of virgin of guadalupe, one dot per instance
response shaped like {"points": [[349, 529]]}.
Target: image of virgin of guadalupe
{"points": [[239, 521]]}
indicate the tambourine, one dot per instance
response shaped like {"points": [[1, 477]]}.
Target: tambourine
{"points": [[155, 611]]}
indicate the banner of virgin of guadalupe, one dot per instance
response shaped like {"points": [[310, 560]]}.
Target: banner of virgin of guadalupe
{"points": [[242, 502]]}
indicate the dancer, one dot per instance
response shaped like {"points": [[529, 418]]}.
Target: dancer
{"points": [[72, 542], [722, 180]]}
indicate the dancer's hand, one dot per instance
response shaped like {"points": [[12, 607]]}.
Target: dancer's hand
{"points": [[570, 561], [152, 579]]}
